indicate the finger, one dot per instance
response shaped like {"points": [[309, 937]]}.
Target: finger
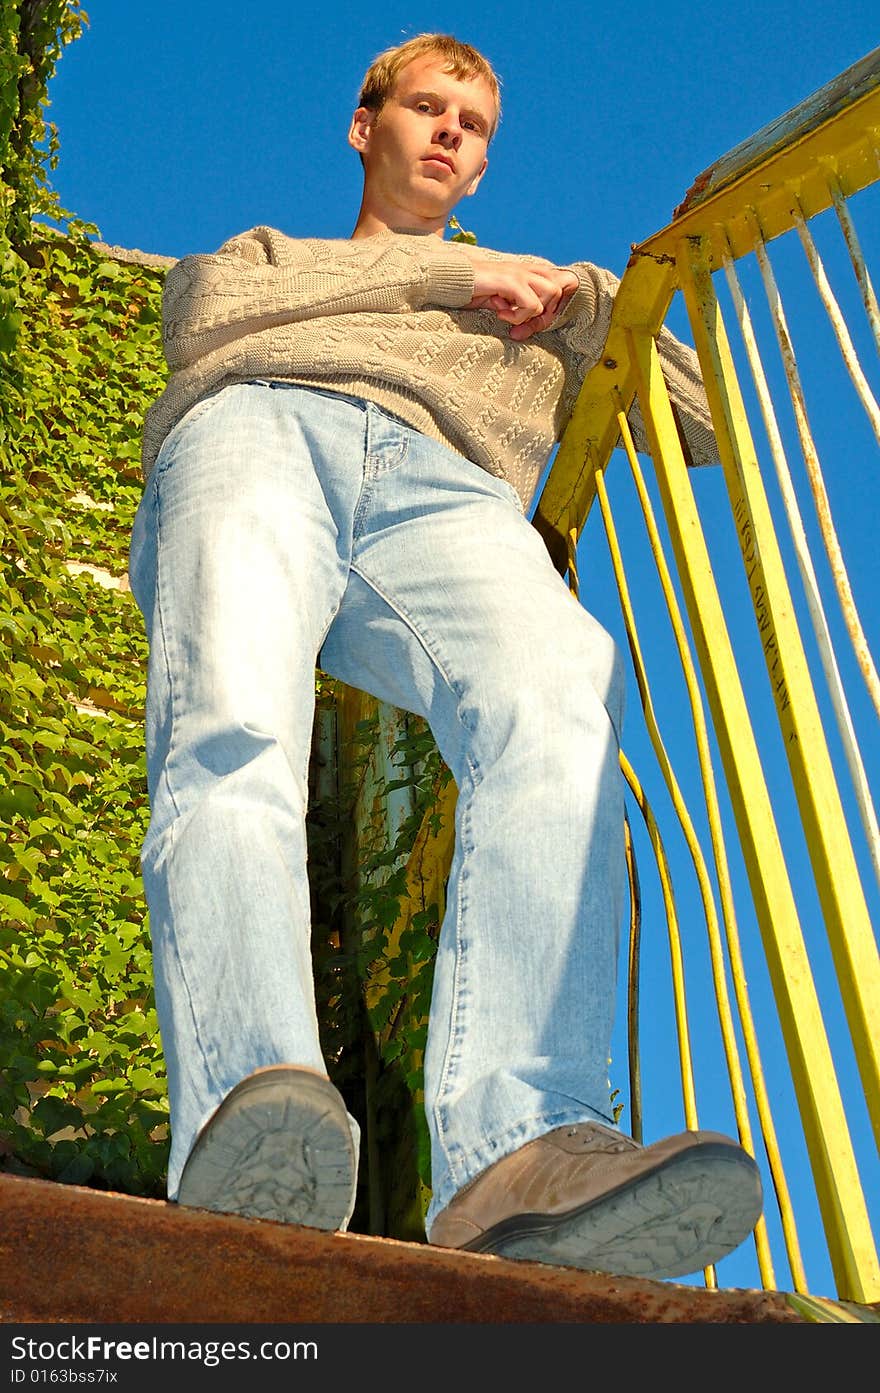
{"points": [[514, 312], [555, 305], [532, 326], [519, 332]]}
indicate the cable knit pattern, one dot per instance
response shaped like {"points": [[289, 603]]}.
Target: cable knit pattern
{"points": [[384, 318]]}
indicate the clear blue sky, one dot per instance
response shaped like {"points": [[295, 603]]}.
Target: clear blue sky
{"points": [[184, 123], [181, 124]]}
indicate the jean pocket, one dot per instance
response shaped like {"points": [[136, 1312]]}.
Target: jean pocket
{"points": [[500, 486], [192, 414]]}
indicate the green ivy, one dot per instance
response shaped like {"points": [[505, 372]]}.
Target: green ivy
{"points": [[82, 1087], [83, 1094], [33, 34]]}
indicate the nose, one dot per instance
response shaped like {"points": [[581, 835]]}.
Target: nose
{"points": [[449, 134]]}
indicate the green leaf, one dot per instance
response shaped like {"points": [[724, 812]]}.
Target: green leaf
{"points": [[18, 800], [77, 1171], [107, 1088], [53, 1114]]}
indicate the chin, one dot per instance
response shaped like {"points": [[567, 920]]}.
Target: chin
{"points": [[434, 201]]}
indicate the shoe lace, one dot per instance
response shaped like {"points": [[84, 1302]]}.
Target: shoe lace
{"points": [[598, 1138]]}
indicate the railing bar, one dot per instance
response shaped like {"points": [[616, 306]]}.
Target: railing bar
{"points": [[725, 1014], [685, 1052], [826, 1129], [807, 570], [838, 323], [765, 1114], [817, 484], [677, 965], [851, 238], [571, 544]]}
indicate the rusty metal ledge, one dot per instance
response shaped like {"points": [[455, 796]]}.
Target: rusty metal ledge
{"points": [[72, 1254]]}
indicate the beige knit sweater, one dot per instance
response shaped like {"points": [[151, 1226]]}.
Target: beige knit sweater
{"points": [[383, 318]]}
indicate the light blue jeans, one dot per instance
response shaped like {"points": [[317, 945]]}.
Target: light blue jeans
{"points": [[281, 526]]}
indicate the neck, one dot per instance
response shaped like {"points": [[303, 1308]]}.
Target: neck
{"points": [[372, 219]]}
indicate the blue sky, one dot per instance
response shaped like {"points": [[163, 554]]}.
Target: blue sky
{"points": [[183, 124]]}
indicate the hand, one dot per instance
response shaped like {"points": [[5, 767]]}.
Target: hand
{"points": [[527, 295]]}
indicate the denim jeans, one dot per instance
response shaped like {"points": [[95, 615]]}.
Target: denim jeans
{"points": [[282, 526]]}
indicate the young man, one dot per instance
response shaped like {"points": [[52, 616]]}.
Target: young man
{"points": [[338, 471]]}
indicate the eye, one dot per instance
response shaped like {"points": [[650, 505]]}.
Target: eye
{"points": [[423, 106]]}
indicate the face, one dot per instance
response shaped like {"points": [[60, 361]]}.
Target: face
{"points": [[426, 148]]}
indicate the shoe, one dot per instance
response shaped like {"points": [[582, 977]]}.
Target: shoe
{"points": [[590, 1197], [278, 1147]]}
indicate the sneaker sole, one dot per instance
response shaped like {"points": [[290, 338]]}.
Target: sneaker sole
{"points": [[667, 1223], [279, 1147]]}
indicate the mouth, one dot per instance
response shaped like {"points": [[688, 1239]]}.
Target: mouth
{"points": [[439, 159]]}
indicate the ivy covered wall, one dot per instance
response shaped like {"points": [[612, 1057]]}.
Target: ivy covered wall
{"points": [[82, 1082]]}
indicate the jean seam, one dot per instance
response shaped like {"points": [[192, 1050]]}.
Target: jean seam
{"points": [[166, 773], [160, 612], [452, 1054], [193, 413], [174, 941], [414, 628], [512, 494], [374, 468], [515, 499], [449, 1060]]}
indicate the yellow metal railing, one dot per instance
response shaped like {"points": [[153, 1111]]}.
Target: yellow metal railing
{"points": [[812, 160]]}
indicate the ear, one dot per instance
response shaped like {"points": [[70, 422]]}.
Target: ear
{"points": [[475, 183], [361, 128]]}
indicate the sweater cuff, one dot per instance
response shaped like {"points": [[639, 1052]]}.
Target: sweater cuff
{"points": [[450, 279], [582, 304]]}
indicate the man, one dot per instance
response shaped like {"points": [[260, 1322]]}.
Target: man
{"points": [[338, 470]]}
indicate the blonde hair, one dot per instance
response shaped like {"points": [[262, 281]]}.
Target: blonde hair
{"points": [[462, 60]]}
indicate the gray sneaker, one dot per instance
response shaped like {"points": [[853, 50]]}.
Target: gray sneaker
{"points": [[278, 1147], [590, 1197]]}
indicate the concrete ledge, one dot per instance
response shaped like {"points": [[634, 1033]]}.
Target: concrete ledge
{"points": [[72, 1254], [133, 255]]}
